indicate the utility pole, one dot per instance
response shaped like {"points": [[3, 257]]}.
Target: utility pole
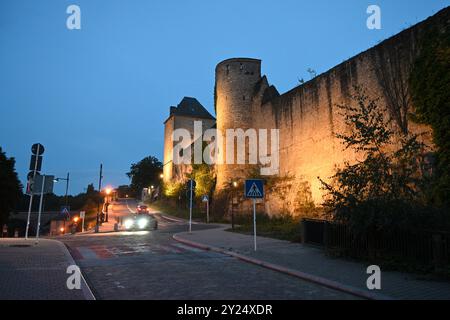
{"points": [[67, 189], [191, 184], [97, 226]]}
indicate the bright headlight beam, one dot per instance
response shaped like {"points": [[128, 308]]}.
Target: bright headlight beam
{"points": [[128, 224], [142, 223]]}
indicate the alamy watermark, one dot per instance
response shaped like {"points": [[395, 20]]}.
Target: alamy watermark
{"points": [[374, 20], [73, 21], [74, 280], [374, 280], [249, 146]]}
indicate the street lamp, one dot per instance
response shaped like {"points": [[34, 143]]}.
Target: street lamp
{"points": [[97, 224], [67, 186], [150, 192], [234, 185], [108, 192]]}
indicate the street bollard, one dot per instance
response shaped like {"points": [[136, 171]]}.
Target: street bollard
{"points": [[116, 227], [16, 233]]}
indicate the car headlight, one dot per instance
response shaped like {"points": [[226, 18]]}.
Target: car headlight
{"points": [[128, 223], [142, 223]]}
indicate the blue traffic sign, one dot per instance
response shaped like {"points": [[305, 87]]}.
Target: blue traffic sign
{"points": [[65, 210], [254, 189]]}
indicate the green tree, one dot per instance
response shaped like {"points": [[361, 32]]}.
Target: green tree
{"points": [[10, 187], [204, 177], [430, 90], [385, 189], [144, 173]]}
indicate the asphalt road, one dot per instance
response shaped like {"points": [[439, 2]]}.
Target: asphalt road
{"points": [[151, 265]]}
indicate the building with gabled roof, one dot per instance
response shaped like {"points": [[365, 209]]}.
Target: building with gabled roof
{"points": [[182, 116]]}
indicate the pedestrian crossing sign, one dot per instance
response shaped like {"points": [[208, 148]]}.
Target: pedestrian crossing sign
{"points": [[254, 189], [65, 211]]}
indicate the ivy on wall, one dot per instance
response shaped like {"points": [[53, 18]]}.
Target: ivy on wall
{"points": [[430, 91]]}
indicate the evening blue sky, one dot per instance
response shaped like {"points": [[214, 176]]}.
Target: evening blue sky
{"points": [[101, 94]]}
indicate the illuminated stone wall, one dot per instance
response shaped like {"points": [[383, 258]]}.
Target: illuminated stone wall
{"points": [[307, 116]]}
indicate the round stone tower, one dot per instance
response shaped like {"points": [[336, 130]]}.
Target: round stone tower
{"points": [[235, 86]]}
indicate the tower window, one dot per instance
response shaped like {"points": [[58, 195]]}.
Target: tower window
{"points": [[228, 69], [241, 67]]}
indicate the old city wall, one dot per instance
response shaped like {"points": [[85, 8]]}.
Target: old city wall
{"points": [[308, 117]]}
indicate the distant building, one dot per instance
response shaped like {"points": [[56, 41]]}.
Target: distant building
{"points": [[182, 116]]}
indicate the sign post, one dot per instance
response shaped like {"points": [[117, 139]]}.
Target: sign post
{"points": [[37, 150], [191, 186], [206, 199], [40, 208], [46, 183], [82, 216], [254, 189], [254, 223]]}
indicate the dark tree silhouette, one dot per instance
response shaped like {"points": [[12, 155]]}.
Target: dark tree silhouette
{"points": [[144, 174], [10, 187]]}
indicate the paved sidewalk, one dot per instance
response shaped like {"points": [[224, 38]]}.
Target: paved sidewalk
{"points": [[37, 272], [311, 263]]}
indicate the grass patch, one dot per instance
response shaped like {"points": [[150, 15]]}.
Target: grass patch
{"points": [[282, 227], [179, 212]]}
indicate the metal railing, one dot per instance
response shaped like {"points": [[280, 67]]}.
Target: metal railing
{"points": [[420, 246]]}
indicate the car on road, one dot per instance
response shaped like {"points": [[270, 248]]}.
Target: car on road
{"points": [[140, 221], [142, 209]]}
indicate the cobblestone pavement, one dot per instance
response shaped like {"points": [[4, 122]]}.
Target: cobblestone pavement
{"points": [[151, 265], [313, 261], [35, 272]]}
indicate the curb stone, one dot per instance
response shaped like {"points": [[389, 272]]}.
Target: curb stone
{"points": [[87, 292], [298, 274]]}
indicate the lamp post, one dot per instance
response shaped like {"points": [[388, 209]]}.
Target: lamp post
{"points": [[66, 198], [108, 192], [151, 192], [97, 224], [234, 185], [67, 186], [75, 225]]}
